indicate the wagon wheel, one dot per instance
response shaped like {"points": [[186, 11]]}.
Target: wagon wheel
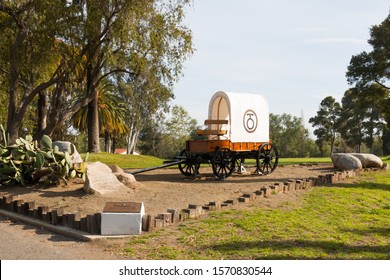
{"points": [[190, 167], [223, 163], [267, 159]]}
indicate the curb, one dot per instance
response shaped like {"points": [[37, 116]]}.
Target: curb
{"points": [[76, 234]]}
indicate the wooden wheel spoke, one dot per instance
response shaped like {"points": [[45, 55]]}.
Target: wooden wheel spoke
{"points": [[223, 163]]}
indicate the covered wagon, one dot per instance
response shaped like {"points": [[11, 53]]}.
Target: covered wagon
{"points": [[237, 128]]}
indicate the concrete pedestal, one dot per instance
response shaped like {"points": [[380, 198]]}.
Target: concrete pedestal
{"points": [[122, 218]]}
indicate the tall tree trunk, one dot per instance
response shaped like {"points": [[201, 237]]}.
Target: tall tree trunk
{"points": [[386, 140], [108, 143], [113, 146], [42, 111], [131, 138], [93, 125], [14, 119]]}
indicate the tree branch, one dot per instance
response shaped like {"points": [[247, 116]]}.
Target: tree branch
{"points": [[381, 84], [112, 72]]}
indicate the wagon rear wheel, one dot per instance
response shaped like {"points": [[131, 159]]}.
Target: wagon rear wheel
{"points": [[190, 167], [223, 163], [267, 159]]}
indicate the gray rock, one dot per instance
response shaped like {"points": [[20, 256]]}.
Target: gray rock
{"points": [[64, 146], [101, 180], [369, 160], [343, 161]]}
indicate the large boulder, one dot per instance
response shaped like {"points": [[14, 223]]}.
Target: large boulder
{"points": [[343, 161], [369, 160], [65, 146], [101, 180]]}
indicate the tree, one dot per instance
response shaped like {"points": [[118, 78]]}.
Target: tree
{"points": [[145, 96], [61, 51], [178, 129], [128, 37], [30, 62], [112, 112], [326, 123], [351, 120], [361, 117], [288, 134], [372, 68], [160, 44], [165, 139]]}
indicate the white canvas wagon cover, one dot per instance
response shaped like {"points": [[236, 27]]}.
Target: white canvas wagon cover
{"points": [[247, 116]]}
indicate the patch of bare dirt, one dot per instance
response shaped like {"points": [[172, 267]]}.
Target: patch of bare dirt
{"points": [[162, 189]]}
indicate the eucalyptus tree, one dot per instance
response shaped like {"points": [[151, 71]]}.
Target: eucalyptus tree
{"points": [[29, 61], [165, 136], [160, 43], [136, 40], [63, 50], [288, 134]]}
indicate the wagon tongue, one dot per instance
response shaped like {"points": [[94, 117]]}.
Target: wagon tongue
{"points": [[165, 164]]}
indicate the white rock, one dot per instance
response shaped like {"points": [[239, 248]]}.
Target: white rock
{"points": [[343, 161], [124, 177], [101, 180], [369, 160], [116, 169]]}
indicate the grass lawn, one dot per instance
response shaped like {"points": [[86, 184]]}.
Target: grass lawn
{"points": [[142, 161], [347, 221], [125, 161]]}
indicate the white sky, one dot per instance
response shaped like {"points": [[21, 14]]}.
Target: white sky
{"points": [[295, 53]]}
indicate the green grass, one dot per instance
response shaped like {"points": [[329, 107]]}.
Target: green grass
{"points": [[142, 161], [125, 161], [347, 221], [289, 161]]}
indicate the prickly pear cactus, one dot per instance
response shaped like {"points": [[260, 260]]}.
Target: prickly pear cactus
{"points": [[28, 161]]}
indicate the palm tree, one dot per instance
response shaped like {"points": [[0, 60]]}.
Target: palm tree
{"points": [[111, 113]]}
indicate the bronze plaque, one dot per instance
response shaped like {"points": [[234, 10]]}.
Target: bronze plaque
{"points": [[122, 207]]}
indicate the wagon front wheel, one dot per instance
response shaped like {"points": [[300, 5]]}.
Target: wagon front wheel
{"points": [[223, 163], [190, 167], [267, 159]]}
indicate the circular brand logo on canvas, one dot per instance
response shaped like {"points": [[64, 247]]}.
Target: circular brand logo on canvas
{"points": [[250, 121]]}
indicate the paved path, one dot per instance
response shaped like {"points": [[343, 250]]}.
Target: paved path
{"points": [[19, 241]]}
